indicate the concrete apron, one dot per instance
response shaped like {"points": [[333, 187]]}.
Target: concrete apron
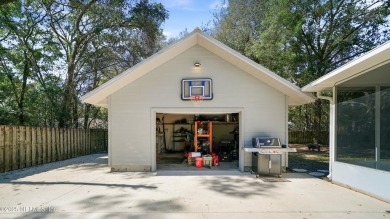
{"points": [[85, 187]]}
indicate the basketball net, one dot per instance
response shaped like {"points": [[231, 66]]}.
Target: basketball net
{"points": [[197, 98]]}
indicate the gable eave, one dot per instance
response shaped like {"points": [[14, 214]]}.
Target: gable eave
{"points": [[99, 95], [296, 96]]}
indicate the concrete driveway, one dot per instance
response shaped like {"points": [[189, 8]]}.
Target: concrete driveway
{"points": [[84, 187]]}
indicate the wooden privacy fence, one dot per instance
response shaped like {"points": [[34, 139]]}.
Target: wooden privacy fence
{"points": [[305, 137], [30, 146]]}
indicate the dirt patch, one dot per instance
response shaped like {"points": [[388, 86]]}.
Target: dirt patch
{"points": [[311, 160]]}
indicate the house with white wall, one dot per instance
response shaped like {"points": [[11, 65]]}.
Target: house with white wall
{"points": [[359, 97], [228, 82]]}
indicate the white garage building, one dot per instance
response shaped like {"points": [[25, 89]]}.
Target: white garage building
{"points": [[196, 66]]}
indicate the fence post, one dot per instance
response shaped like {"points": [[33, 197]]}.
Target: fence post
{"points": [[96, 137], [89, 141], [76, 139], [69, 136], [7, 148], [2, 147], [14, 148], [61, 131], [48, 132], [79, 142], [67, 143], [94, 140], [75, 149], [22, 150], [82, 141], [75, 143], [28, 147], [84, 131], [65, 155], [71, 144], [60, 142], [50, 145], [41, 150], [33, 146], [54, 144], [46, 145], [76, 131], [97, 140]]}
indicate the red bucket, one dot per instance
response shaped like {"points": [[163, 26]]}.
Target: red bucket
{"points": [[199, 162], [215, 160]]}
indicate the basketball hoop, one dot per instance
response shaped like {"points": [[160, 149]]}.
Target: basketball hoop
{"points": [[197, 98]]}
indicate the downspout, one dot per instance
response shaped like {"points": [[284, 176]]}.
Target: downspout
{"points": [[330, 99], [332, 122]]}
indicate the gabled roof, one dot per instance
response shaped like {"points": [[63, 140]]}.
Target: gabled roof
{"points": [[373, 59], [99, 95]]}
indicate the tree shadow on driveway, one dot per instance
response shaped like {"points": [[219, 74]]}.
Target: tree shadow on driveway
{"points": [[242, 187]]}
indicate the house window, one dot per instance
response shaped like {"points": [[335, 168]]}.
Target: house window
{"points": [[358, 124]]}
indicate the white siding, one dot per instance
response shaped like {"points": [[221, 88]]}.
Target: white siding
{"points": [[130, 108], [361, 179]]}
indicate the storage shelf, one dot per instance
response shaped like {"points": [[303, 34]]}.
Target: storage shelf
{"points": [[178, 138], [209, 136], [203, 136]]}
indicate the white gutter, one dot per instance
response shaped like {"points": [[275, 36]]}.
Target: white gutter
{"points": [[330, 99], [332, 122]]}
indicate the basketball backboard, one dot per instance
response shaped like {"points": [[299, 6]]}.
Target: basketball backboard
{"points": [[199, 87]]}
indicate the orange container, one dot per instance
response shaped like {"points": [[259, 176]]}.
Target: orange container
{"points": [[199, 162]]}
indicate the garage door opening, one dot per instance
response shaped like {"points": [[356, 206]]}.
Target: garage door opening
{"points": [[197, 141]]}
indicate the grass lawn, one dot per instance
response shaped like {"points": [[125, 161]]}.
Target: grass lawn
{"points": [[311, 160]]}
